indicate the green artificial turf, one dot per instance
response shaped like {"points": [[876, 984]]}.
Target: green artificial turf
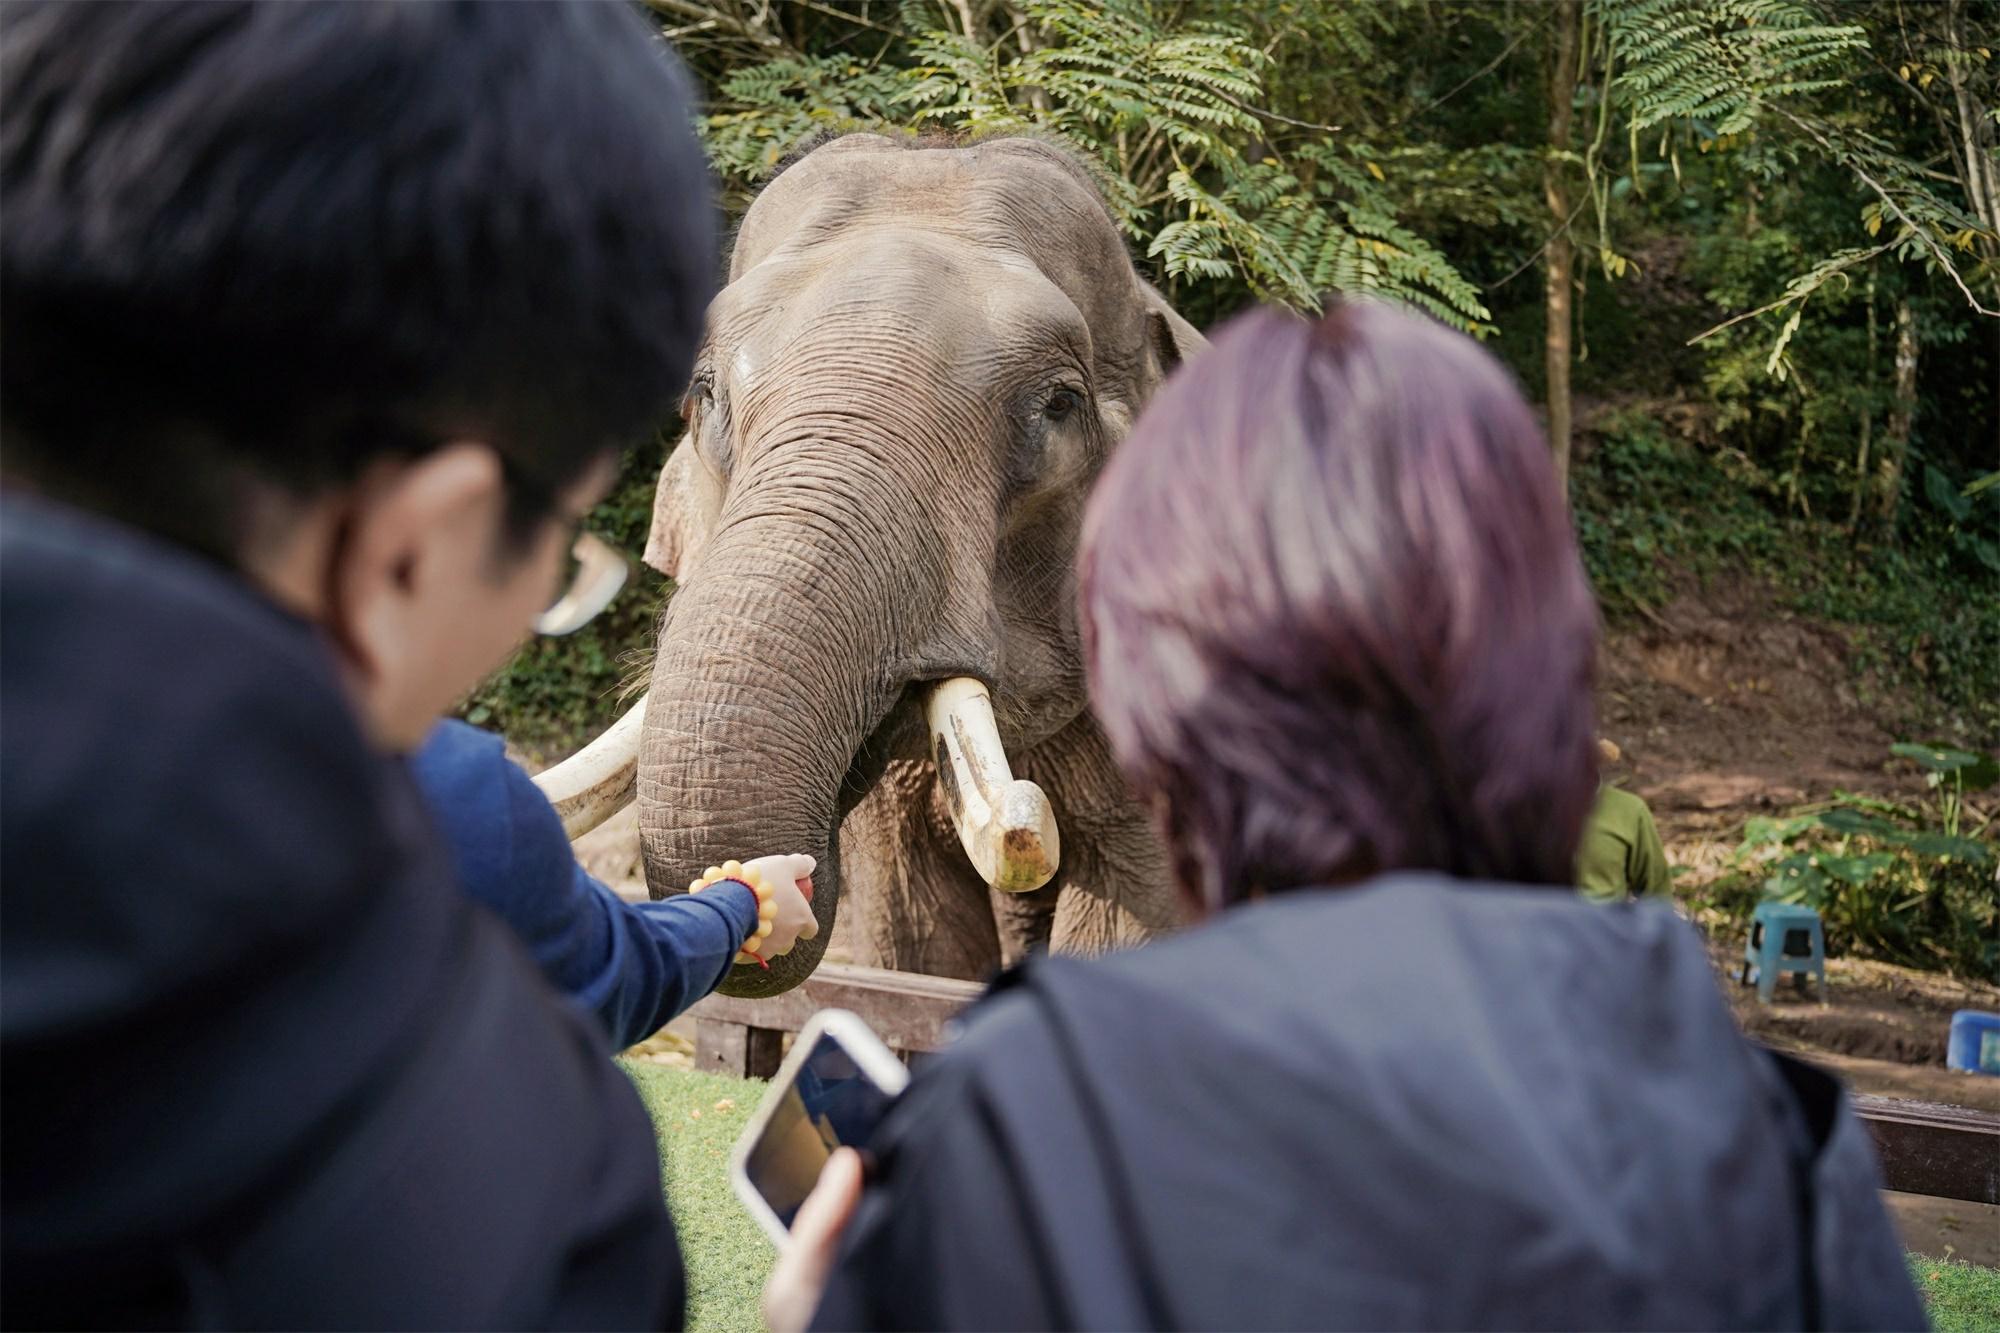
{"points": [[1963, 1298], [698, 1117]]}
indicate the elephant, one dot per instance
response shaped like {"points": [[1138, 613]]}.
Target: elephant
{"points": [[924, 353]]}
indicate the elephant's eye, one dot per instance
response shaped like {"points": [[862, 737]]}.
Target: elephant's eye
{"points": [[705, 419], [699, 391], [1062, 403]]}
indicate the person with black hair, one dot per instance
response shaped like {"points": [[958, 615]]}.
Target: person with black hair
{"points": [[321, 326]]}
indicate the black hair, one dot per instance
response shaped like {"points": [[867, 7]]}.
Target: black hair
{"points": [[251, 246]]}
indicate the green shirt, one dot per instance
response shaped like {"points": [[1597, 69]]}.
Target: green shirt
{"points": [[1621, 855]]}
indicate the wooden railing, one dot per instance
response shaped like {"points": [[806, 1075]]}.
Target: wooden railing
{"points": [[907, 1010], [1925, 1148], [1931, 1148]]}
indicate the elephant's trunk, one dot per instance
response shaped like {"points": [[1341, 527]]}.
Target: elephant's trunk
{"points": [[822, 599], [771, 669]]}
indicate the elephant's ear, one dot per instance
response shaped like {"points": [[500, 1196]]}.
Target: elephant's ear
{"points": [[683, 510], [1170, 339]]}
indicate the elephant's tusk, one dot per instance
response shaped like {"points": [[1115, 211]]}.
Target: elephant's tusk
{"points": [[1005, 824], [599, 780]]}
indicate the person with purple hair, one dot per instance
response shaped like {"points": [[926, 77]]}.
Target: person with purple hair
{"points": [[1400, 1074]]}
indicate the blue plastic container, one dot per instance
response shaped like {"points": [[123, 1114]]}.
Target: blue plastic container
{"points": [[1975, 1042]]}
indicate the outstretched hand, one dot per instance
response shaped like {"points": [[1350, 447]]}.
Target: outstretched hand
{"points": [[790, 878], [792, 1293]]}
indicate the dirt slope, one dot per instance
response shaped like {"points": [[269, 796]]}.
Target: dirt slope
{"points": [[1726, 705]]}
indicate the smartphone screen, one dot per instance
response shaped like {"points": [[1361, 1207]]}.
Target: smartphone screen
{"points": [[831, 1102]]}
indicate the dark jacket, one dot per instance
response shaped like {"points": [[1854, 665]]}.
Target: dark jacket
{"points": [[1414, 1104], [265, 1065], [634, 965]]}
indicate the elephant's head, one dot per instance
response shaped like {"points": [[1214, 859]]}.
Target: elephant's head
{"points": [[922, 359]]}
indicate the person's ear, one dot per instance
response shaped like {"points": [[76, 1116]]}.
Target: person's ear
{"points": [[412, 535]]}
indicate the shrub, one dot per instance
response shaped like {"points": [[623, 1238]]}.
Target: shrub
{"points": [[1907, 883]]}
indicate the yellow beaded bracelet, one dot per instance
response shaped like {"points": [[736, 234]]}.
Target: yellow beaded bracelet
{"points": [[767, 910]]}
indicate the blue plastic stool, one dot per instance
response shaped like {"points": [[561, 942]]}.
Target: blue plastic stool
{"points": [[1975, 1042], [1784, 937]]}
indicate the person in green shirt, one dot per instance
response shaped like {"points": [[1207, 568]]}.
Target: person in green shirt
{"points": [[1621, 855]]}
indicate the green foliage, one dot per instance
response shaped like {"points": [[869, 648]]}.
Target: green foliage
{"points": [[1650, 510], [1168, 105], [1326, 226], [1787, 399], [773, 105], [1813, 416], [1731, 75], [1276, 150], [1911, 884], [1928, 631], [1970, 527], [1720, 62]]}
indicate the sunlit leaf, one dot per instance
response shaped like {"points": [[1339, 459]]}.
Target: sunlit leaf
{"points": [[1937, 758]]}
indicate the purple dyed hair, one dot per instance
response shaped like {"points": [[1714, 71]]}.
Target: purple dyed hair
{"points": [[1333, 613]]}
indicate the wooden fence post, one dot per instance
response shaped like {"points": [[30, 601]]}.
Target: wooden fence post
{"points": [[732, 1048]]}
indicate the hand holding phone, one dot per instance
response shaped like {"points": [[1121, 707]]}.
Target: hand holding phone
{"points": [[831, 1092], [792, 1292]]}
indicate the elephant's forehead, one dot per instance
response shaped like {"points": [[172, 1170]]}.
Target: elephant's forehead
{"points": [[1008, 194], [904, 282]]}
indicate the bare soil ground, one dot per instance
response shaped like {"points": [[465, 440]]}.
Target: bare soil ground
{"points": [[1727, 706]]}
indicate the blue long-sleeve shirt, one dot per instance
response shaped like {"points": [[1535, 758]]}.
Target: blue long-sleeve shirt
{"points": [[634, 965]]}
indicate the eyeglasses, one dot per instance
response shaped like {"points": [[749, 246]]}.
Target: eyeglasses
{"points": [[593, 576]]}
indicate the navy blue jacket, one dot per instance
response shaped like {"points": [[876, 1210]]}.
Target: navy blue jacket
{"points": [[1415, 1104], [265, 1063], [635, 965]]}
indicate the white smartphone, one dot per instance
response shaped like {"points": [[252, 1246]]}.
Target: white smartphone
{"points": [[831, 1091]]}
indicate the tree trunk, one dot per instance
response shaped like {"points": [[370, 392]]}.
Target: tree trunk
{"points": [[1981, 170], [1867, 411], [1982, 175], [1560, 259], [1038, 96], [1896, 434]]}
